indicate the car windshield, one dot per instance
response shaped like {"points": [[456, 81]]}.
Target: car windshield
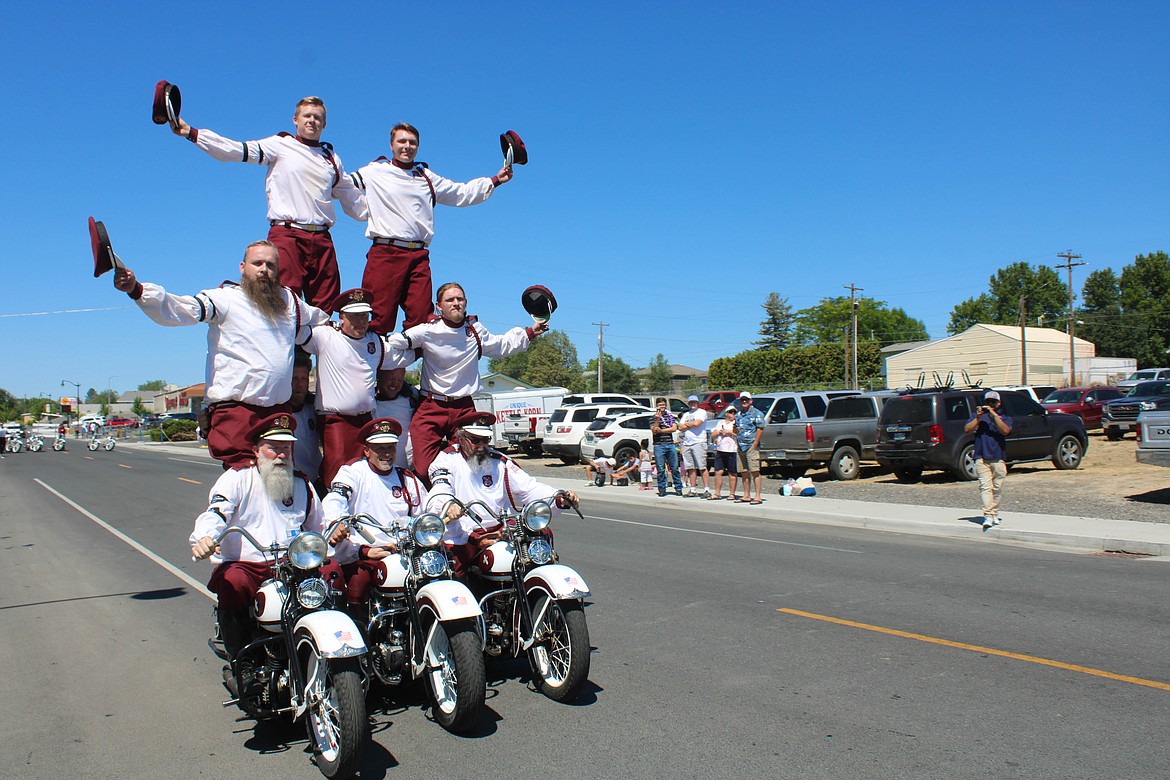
{"points": [[1150, 388], [1137, 376], [1063, 397]]}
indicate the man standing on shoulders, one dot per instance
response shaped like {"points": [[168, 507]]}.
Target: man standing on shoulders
{"points": [[252, 329], [452, 345], [307, 450], [662, 429], [304, 177], [397, 399], [991, 429], [749, 426], [402, 195], [694, 447]]}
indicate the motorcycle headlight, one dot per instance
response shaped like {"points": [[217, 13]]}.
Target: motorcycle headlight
{"points": [[428, 530], [312, 592], [540, 551], [307, 550], [432, 563], [537, 516]]}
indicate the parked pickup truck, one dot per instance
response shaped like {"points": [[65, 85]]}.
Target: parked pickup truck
{"points": [[842, 439], [1153, 433]]}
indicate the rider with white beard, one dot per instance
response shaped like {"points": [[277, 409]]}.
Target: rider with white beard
{"points": [[470, 470], [271, 502]]}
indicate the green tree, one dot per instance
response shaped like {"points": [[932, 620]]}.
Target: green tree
{"points": [[1101, 314], [155, 384], [657, 379], [826, 322], [551, 361], [618, 376], [1145, 293], [1045, 295], [776, 327], [138, 408], [821, 365]]}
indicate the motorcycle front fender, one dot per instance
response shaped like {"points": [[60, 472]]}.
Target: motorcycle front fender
{"points": [[334, 634], [560, 582], [450, 600]]}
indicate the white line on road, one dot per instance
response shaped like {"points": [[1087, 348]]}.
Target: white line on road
{"points": [[195, 584], [729, 536], [215, 463]]}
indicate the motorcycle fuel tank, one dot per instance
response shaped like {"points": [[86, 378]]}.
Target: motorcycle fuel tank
{"points": [[496, 560], [269, 600], [391, 571]]}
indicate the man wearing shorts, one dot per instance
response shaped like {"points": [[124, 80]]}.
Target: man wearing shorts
{"points": [[749, 422], [694, 448]]}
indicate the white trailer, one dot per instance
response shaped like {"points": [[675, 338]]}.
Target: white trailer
{"points": [[516, 413]]}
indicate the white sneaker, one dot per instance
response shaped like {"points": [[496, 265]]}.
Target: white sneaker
{"points": [[988, 522], [996, 520]]}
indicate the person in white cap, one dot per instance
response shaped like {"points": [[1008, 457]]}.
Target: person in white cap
{"points": [[304, 177], [749, 427], [991, 429], [694, 448], [600, 467], [397, 399]]}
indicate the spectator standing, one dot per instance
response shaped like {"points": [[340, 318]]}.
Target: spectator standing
{"points": [[645, 470], [694, 448], [749, 425], [991, 429], [726, 453], [662, 429]]}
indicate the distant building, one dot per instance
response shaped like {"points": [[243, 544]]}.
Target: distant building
{"points": [[495, 382], [680, 375], [179, 399]]}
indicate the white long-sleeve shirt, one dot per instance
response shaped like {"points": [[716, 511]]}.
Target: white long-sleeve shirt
{"points": [[302, 181], [347, 368], [402, 202], [249, 356], [358, 489], [399, 409], [239, 498], [498, 482], [451, 354]]}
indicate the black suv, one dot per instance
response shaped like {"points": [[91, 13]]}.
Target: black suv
{"points": [[923, 430]]}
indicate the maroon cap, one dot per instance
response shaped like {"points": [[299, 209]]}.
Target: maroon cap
{"points": [[103, 253], [167, 102], [538, 301], [276, 427], [353, 301], [380, 430], [511, 140]]}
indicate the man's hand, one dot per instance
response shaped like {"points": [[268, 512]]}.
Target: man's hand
{"points": [[381, 551], [340, 534], [204, 548], [505, 174], [181, 127], [124, 280], [454, 512], [540, 326], [567, 499], [488, 539]]}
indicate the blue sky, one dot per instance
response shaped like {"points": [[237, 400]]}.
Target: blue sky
{"points": [[687, 158]]}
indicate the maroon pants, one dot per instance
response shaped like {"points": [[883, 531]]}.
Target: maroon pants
{"points": [[236, 582], [230, 423], [359, 575], [308, 264], [396, 278], [339, 440], [433, 421]]}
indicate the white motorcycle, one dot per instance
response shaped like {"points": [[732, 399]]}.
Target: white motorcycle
{"points": [[95, 442], [14, 442], [59, 443], [34, 442], [424, 624], [532, 603], [303, 659]]}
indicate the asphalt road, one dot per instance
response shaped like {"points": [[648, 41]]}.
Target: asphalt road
{"points": [[716, 654]]}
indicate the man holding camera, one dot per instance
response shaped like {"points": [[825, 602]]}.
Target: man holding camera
{"points": [[991, 429]]}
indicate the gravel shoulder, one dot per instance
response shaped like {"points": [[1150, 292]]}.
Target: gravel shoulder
{"points": [[1109, 484]]}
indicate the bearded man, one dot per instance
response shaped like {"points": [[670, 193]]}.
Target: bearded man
{"points": [[252, 329], [470, 470]]}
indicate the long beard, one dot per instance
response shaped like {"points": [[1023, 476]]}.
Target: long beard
{"points": [[277, 478], [266, 295]]}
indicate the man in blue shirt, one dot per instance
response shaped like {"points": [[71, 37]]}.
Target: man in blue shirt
{"points": [[749, 424], [991, 429]]}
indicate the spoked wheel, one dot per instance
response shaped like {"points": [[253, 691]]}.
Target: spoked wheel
{"points": [[560, 657], [93, 445], [35, 446], [16, 446], [338, 729], [109, 445], [58, 446], [455, 673]]}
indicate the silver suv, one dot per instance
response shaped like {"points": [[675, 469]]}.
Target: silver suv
{"points": [[566, 427]]}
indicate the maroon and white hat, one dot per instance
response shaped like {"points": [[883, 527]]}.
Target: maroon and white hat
{"points": [[275, 427], [476, 423], [539, 301], [104, 258], [380, 430], [513, 148], [353, 301], [167, 103]]}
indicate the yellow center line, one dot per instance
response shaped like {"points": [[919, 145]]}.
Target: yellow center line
{"points": [[124, 466], [979, 649], [193, 482]]}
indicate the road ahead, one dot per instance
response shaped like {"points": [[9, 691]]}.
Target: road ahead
{"points": [[723, 648]]}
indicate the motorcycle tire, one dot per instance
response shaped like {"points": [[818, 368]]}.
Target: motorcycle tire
{"points": [[560, 663], [93, 445], [109, 445], [35, 446], [457, 680], [58, 446], [338, 727], [16, 446]]}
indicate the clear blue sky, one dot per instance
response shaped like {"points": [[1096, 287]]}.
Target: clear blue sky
{"points": [[687, 158]]}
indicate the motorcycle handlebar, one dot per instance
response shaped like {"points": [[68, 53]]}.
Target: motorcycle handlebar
{"points": [[225, 533]]}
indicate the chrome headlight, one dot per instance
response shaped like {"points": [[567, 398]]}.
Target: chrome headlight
{"points": [[428, 530], [539, 551], [312, 592], [537, 516], [308, 550], [432, 563]]}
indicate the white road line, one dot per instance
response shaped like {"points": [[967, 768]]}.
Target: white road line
{"points": [[729, 536], [195, 584], [215, 463]]}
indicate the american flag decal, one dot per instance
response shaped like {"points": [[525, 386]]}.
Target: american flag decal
{"points": [[459, 601], [344, 637]]}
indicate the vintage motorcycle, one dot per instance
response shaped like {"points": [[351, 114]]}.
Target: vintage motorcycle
{"points": [[532, 604], [59, 442], [14, 442], [422, 623], [34, 442], [107, 444], [303, 659]]}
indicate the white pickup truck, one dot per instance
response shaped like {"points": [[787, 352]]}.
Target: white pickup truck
{"points": [[1153, 433]]}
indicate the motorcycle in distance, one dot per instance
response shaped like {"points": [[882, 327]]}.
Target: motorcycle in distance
{"points": [[532, 604], [34, 442], [14, 442], [107, 444], [59, 443], [303, 658], [423, 623]]}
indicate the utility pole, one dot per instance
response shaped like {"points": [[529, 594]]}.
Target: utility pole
{"points": [[853, 307], [1023, 341], [1072, 327], [600, 355]]}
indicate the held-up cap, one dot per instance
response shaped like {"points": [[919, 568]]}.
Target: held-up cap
{"points": [[510, 142], [744, 394], [991, 395], [276, 427], [103, 253], [167, 103], [476, 423], [539, 301], [381, 430], [353, 301]]}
